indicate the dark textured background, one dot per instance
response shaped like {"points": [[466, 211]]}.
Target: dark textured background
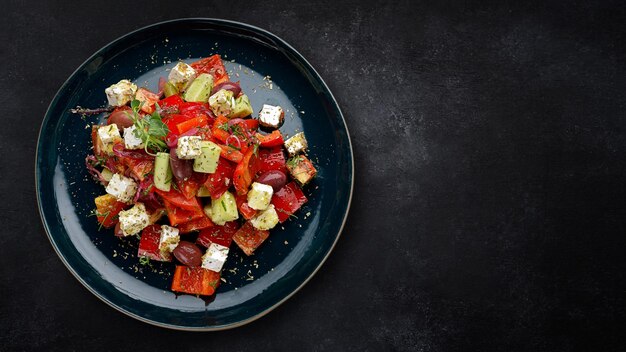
{"points": [[489, 207]]}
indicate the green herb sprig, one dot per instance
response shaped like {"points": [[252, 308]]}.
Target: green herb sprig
{"points": [[150, 129]]}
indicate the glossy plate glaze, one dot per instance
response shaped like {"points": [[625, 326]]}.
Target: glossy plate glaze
{"points": [[270, 71]]}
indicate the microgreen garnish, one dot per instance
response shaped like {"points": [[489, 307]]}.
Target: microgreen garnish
{"points": [[150, 129]]}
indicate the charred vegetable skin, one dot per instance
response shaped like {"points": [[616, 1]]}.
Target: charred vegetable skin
{"points": [[188, 171]]}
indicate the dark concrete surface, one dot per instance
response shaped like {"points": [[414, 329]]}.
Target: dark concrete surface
{"points": [[490, 200]]}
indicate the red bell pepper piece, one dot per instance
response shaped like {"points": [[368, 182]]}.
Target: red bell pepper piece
{"points": [[274, 139], [173, 101], [97, 148], [249, 238], [244, 208], [177, 199], [218, 182], [178, 215], [222, 235], [288, 200], [193, 109], [107, 210], [174, 120], [139, 168], [230, 153], [189, 187], [149, 244], [242, 178], [195, 281], [271, 159], [195, 225], [214, 66], [219, 131], [196, 122]]}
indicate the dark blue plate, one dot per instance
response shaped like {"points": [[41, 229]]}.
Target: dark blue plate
{"points": [[254, 285]]}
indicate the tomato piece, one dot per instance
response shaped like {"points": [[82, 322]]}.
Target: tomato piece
{"points": [[214, 66], [230, 153], [179, 216], [173, 101], [218, 182], [242, 177], [195, 281], [244, 208], [219, 131], [107, 210], [195, 122], [271, 159], [98, 150], [189, 187], [149, 244], [288, 200], [147, 99], [177, 199], [249, 238], [195, 225], [222, 235], [274, 139]]}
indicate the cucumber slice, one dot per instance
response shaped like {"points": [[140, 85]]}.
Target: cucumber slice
{"points": [[106, 174], [162, 172], [170, 89], [200, 89], [222, 209], [242, 107], [203, 192], [207, 161]]}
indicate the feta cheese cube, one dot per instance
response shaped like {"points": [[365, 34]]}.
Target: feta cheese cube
{"points": [[121, 187], [109, 134], [215, 257], [121, 92], [189, 147], [133, 220], [266, 219], [271, 116], [169, 239], [222, 102], [181, 76], [131, 141], [296, 144], [259, 196]]}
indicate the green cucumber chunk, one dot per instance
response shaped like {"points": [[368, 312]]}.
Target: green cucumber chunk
{"points": [[203, 192], [242, 107], [170, 89], [162, 172], [200, 89], [222, 209], [106, 174], [207, 161]]}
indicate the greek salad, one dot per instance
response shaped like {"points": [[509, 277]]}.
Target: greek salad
{"points": [[193, 168]]}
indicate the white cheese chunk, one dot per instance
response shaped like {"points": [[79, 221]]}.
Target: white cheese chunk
{"points": [[169, 239], [121, 187], [109, 134], [222, 102], [189, 147], [181, 76], [215, 257], [296, 144], [271, 116], [133, 220], [131, 141], [121, 92], [259, 196], [266, 219]]}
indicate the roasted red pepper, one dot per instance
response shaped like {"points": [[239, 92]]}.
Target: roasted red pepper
{"points": [[218, 182], [244, 172], [222, 235], [195, 281], [245, 210], [230, 153], [274, 139], [214, 66], [149, 244], [270, 159], [288, 200], [249, 238], [107, 210], [195, 225]]}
